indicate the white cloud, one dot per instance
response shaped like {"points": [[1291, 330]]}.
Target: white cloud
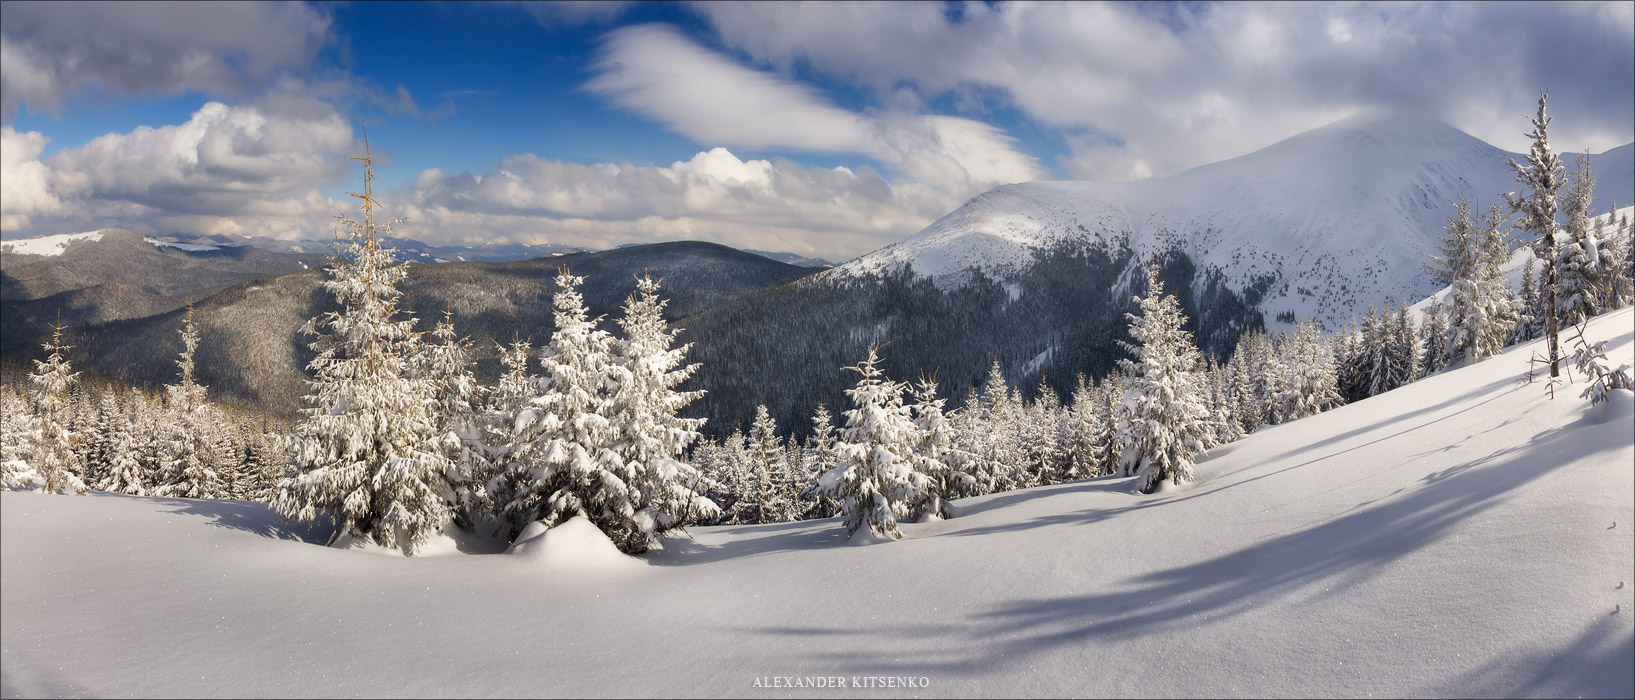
{"points": [[25, 188], [51, 51], [228, 169], [1157, 88], [707, 97], [714, 196]]}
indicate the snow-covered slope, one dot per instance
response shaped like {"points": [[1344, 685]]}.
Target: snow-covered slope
{"points": [[47, 246], [1337, 217], [1516, 268], [1462, 536]]}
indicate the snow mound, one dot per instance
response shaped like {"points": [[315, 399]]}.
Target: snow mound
{"points": [[576, 545], [48, 246]]}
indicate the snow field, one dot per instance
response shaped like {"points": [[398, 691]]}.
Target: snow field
{"points": [[1463, 535]]}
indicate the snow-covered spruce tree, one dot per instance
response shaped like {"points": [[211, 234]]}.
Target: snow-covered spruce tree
{"points": [[366, 451], [1271, 378], [17, 435], [999, 419], [1433, 339], [650, 437], [1246, 407], [486, 455], [1581, 262], [1480, 309], [875, 478], [192, 465], [1313, 383], [1106, 448], [55, 457], [563, 462], [100, 440], [818, 459], [1080, 431], [445, 362], [767, 485], [1619, 289], [1163, 420], [937, 456], [1544, 176], [1040, 438], [1405, 345], [1530, 308]]}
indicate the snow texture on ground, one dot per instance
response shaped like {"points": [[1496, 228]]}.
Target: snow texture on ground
{"points": [[1461, 536]]}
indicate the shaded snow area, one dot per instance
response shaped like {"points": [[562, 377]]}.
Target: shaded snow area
{"points": [[188, 247], [1461, 536], [49, 246]]}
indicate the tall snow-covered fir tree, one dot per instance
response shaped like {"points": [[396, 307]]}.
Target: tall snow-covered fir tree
{"points": [[192, 464], [996, 431], [1433, 339], [875, 478], [1163, 421], [1581, 261], [366, 451], [55, 457], [767, 491], [650, 437], [1481, 310], [444, 362], [936, 454], [819, 458], [1543, 176]]}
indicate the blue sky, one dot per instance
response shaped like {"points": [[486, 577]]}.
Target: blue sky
{"points": [[825, 129]]}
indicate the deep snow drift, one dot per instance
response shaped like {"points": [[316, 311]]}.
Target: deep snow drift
{"points": [[1461, 536]]}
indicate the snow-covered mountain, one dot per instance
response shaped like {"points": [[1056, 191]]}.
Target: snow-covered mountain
{"points": [[1462, 536], [1331, 219]]}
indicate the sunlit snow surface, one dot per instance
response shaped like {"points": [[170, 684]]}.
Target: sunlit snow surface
{"points": [[1461, 536], [49, 246]]}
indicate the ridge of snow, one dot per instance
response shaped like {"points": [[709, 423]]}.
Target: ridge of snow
{"points": [[48, 246]]}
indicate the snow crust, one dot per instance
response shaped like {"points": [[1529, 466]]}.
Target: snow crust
{"points": [[48, 246], [1462, 536]]}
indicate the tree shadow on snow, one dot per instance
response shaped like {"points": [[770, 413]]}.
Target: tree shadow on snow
{"points": [[1323, 560], [750, 541], [253, 517]]}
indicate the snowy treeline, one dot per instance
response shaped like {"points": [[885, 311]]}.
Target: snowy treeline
{"points": [[62, 435]]}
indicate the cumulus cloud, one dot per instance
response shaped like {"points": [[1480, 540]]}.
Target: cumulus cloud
{"points": [[228, 169], [714, 196], [1144, 89], [51, 51], [658, 72], [25, 187]]}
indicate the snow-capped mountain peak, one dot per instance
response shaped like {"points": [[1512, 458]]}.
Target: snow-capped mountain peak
{"points": [[1328, 220]]}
